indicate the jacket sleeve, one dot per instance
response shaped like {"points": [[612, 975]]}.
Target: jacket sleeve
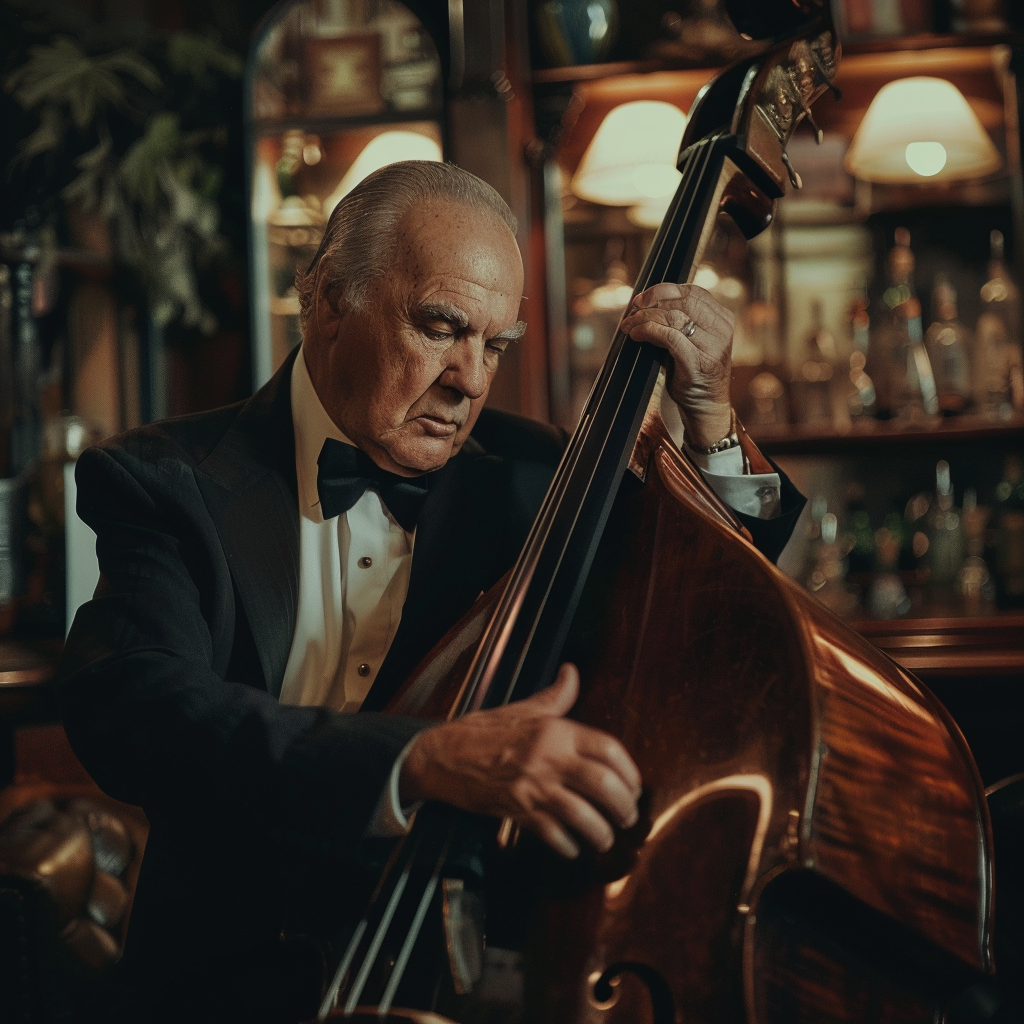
{"points": [[144, 683], [771, 536]]}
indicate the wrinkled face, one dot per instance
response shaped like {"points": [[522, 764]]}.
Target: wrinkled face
{"points": [[406, 376]]}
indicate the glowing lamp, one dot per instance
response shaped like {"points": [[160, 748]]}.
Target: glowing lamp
{"points": [[920, 130], [384, 149], [632, 158]]}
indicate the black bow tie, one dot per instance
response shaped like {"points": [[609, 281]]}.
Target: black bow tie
{"points": [[344, 473]]}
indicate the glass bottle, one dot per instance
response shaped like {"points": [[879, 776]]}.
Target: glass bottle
{"points": [[999, 381], [861, 537], [945, 537], [814, 380], [907, 385], [768, 405], [1008, 515], [947, 342], [887, 596], [861, 396], [974, 584], [827, 577]]}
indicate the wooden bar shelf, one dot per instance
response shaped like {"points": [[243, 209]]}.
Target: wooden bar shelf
{"points": [[952, 646], [794, 439]]}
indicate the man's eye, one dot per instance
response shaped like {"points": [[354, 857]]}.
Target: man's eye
{"points": [[497, 346], [434, 334]]}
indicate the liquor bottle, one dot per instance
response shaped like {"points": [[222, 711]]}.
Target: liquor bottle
{"points": [[999, 380], [860, 318], [814, 383], [827, 577], [887, 597], [974, 584], [947, 342], [1008, 515], [945, 537], [861, 396], [860, 538], [906, 384], [766, 401]]}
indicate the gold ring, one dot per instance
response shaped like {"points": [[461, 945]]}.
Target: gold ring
{"points": [[689, 328]]}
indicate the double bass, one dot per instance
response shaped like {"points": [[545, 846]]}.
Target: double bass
{"points": [[813, 843]]}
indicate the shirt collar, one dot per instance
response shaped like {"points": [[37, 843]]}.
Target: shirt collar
{"points": [[312, 426]]}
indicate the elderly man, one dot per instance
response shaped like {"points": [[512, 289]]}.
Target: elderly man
{"points": [[271, 567]]}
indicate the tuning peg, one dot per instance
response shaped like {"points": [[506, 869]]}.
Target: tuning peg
{"points": [[818, 133], [794, 176]]}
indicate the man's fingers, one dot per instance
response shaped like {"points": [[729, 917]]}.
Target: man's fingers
{"points": [[692, 302], [665, 291], [581, 818], [558, 698], [605, 789], [551, 831], [607, 752]]}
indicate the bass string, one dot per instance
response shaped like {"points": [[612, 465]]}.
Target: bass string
{"points": [[489, 650], [691, 190]]}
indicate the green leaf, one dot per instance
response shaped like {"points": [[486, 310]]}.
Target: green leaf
{"points": [[95, 157], [141, 165], [85, 190], [64, 75], [46, 137], [197, 55], [128, 63]]}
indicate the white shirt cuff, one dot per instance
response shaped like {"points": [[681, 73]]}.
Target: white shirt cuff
{"points": [[755, 494], [391, 820]]}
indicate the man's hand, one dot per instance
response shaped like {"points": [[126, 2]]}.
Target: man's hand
{"points": [[563, 780], [701, 362]]}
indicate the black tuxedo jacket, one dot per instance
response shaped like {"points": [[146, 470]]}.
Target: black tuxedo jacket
{"points": [[171, 674]]}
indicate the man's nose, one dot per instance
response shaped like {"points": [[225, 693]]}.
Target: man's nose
{"points": [[465, 370]]}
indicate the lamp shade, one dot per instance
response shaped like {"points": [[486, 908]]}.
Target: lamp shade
{"points": [[386, 148], [632, 158], [920, 130]]}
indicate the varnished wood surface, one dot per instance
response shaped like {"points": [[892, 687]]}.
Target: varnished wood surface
{"points": [[785, 743]]}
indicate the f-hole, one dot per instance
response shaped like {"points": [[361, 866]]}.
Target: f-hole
{"points": [[604, 992]]}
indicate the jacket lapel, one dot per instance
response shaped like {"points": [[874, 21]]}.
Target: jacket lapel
{"points": [[248, 483], [456, 556]]}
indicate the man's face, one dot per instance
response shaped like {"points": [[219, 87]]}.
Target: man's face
{"points": [[406, 376]]}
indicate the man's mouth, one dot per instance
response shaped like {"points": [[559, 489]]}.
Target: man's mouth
{"points": [[438, 426]]}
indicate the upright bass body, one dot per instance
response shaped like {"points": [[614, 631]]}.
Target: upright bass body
{"points": [[814, 845]]}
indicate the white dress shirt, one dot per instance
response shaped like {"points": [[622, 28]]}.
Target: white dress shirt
{"points": [[354, 574]]}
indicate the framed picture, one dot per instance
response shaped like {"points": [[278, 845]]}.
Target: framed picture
{"points": [[342, 75]]}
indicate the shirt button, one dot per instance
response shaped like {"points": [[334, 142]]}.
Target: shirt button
{"points": [[365, 562], [364, 669]]}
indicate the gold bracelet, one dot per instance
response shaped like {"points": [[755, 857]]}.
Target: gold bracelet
{"points": [[731, 440]]}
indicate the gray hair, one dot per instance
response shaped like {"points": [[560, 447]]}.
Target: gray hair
{"points": [[359, 244]]}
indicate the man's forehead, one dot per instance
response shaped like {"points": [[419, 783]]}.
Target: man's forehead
{"points": [[445, 227]]}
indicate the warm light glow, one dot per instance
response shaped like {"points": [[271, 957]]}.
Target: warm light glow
{"points": [[706, 277], [920, 128], [632, 158], [650, 213], [655, 182], [388, 148], [926, 158]]}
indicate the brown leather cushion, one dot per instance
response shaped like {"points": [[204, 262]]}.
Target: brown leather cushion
{"points": [[80, 851]]}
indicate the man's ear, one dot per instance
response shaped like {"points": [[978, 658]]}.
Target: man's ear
{"points": [[328, 310]]}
